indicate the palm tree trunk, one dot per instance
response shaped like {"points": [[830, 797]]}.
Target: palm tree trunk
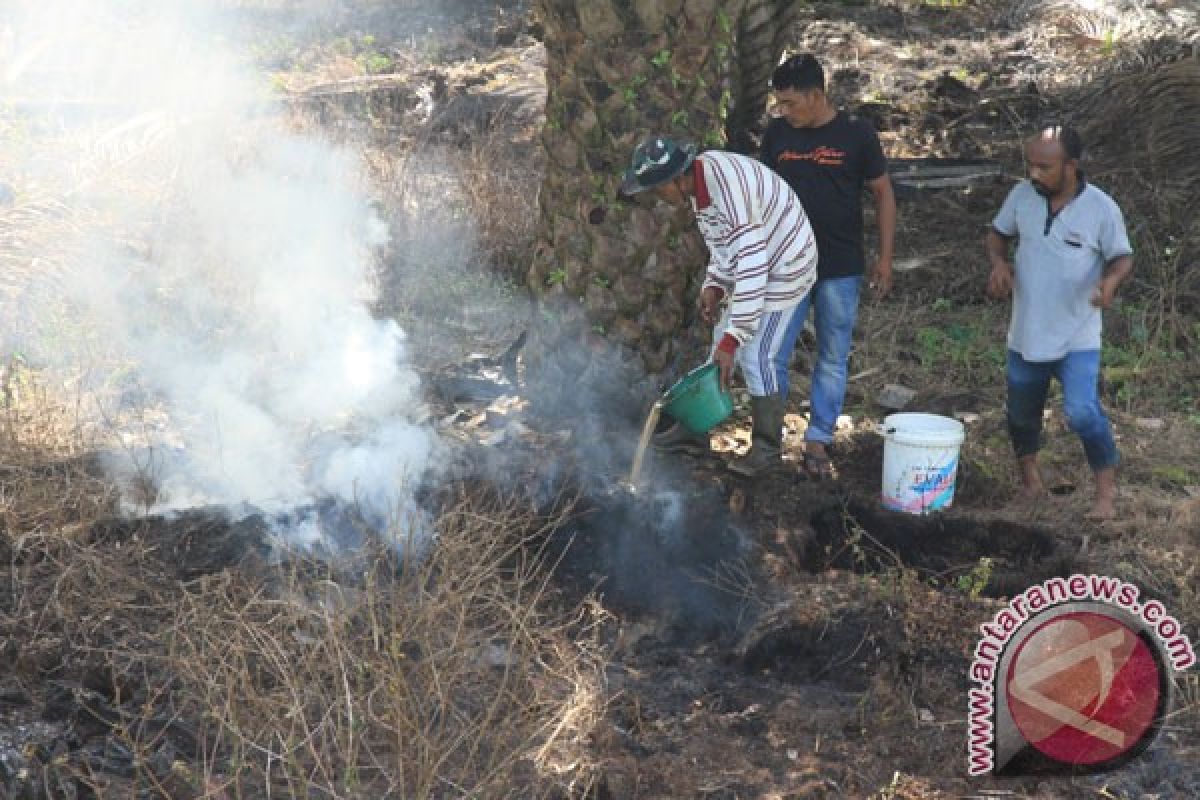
{"points": [[621, 277]]}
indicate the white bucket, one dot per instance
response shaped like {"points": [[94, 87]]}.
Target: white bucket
{"points": [[920, 462]]}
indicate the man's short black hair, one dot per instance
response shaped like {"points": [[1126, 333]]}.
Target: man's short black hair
{"points": [[1065, 135], [799, 72]]}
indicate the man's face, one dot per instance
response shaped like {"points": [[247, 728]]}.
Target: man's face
{"points": [[800, 107], [1049, 167], [670, 193]]}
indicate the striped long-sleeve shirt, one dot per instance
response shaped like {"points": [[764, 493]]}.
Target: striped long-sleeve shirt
{"points": [[763, 254]]}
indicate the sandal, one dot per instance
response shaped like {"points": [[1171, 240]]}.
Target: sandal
{"points": [[817, 467]]}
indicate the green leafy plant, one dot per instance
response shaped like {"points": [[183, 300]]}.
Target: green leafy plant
{"points": [[723, 21], [930, 343], [1174, 474], [974, 582], [968, 348], [1109, 45], [375, 63], [723, 105]]}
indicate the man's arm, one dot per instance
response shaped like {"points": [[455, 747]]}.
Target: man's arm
{"points": [[750, 268], [1115, 273], [1000, 281], [1114, 245], [885, 208]]}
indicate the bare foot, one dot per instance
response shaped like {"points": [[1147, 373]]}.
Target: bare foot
{"points": [[1105, 505], [1032, 486], [1035, 492]]}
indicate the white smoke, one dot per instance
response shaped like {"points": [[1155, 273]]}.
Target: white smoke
{"points": [[214, 264]]}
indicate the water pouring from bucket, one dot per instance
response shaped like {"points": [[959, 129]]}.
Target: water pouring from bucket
{"points": [[920, 462], [696, 401]]}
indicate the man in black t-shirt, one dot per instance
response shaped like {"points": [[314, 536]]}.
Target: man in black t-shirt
{"points": [[827, 157]]}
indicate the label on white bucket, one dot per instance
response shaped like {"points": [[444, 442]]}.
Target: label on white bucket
{"points": [[920, 462]]}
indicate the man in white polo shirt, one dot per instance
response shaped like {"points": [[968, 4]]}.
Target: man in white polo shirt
{"points": [[1072, 255]]}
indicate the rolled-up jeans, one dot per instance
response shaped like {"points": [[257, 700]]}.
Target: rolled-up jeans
{"points": [[1079, 374], [835, 310]]}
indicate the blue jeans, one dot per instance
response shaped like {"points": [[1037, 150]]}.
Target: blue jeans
{"points": [[1079, 374], [835, 307]]}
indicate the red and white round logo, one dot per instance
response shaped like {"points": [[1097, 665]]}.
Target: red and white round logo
{"points": [[1084, 689]]}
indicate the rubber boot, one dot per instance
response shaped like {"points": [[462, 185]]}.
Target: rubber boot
{"points": [[678, 439], [766, 438]]}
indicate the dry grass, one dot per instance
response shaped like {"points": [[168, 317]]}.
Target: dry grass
{"points": [[47, 481], [489, 180], [448, 679], [1095, 35], [1139, 124], [455, 676], [462, 222], [502, 187]]}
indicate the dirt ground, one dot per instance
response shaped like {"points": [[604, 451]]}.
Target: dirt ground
{"points": [[780, 638]]}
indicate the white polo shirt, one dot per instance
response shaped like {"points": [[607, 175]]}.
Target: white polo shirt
{"points": [[1060, 260]]}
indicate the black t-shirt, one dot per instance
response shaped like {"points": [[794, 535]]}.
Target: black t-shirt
{"points": [[827, 167]]}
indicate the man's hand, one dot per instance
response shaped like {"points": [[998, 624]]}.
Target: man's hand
{"points": [[885, 217], [881, 278], [1115, 273], [710, 299], [1000, 282], [1104, 294], [724, 357], [724, 361]]}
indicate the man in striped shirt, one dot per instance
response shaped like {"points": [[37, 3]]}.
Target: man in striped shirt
{"points": [[763, 260]]}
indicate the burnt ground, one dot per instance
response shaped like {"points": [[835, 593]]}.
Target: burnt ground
{"points": [[784, 638], [798, 639]]}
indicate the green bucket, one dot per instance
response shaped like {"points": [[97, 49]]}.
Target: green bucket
{"points": [[697, 400]]}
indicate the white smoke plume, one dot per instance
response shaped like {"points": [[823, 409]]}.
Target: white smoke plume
{"points": [[211, 266]]}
